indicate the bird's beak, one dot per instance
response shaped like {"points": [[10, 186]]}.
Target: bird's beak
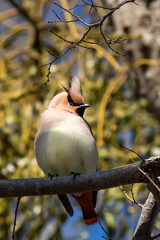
{"points": [[80, 109], [84, 106]]}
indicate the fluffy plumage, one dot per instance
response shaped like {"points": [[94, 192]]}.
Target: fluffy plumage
{"points": [[65, 144]]}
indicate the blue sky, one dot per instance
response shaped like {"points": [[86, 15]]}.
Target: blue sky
{"points": [[73, 231]]}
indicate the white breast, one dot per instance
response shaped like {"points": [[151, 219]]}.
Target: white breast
{"points": [[66, 148]]}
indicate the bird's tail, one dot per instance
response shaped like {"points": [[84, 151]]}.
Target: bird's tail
{"points": [[85, 201]]}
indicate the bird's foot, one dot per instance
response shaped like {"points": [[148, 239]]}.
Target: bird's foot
{"points": [[52, 176], [75, 174]]}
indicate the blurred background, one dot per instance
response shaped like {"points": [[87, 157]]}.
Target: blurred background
{"points": [[123, 91]]}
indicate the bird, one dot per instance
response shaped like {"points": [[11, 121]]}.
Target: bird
{"points": [[64, 145]]}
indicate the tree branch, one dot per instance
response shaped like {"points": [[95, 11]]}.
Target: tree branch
{"points": [[147, 219], [87, 26], [150, 211], [128, 174], [132, 200], [23, 12], [33, 22], [155, 191], [15, 218]]}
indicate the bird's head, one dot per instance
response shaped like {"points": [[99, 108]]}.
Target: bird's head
{"points": [[72, 100]]}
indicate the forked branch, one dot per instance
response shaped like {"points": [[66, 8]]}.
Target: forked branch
{"points": [[83, 42]]}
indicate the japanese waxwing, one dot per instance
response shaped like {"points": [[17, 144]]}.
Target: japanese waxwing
{"points": [[64, 144]]}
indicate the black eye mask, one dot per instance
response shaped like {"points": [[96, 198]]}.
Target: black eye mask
{"points": [[80, 107]]}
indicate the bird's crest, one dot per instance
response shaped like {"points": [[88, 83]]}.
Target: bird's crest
{"points": [[75, 86], [75, 94]]}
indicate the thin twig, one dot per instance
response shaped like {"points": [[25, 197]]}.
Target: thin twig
{"points": [[140, 205], [109, 237], [132, 200], [72, 45], [59, 36], [71, 13], [89, 26], [133, 152], [15, 218], [90, 48], [91, 6], [154, 237], [51, 53], [110, 41], [146, 175], [57, 15], [71, 21]]}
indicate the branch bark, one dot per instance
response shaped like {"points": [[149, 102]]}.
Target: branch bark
{"points": [[128, 174], [149, 213], [147, 219]]}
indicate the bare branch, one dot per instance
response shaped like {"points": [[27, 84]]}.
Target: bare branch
{"points": [[133, 152], [57, 15], [149, 178], [73, 45], [67, 10], [65, 40], [105, 231], [99, 24], [37, 30], [24, 13], [132, 200], [140, 205], [15, 218], [150, 209], [154, 237], [128, 174], [147, 219], [91, 5], [71, 21], [153, 189]]}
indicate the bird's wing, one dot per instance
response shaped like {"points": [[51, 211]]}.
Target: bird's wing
{"points": [[94, 200], [66, 203]]}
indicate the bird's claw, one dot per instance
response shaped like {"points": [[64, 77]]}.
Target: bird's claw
{"points": [[51, 176], [75, 174]]}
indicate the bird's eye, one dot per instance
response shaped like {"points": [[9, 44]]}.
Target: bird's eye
{"points": [[70, 101]]}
